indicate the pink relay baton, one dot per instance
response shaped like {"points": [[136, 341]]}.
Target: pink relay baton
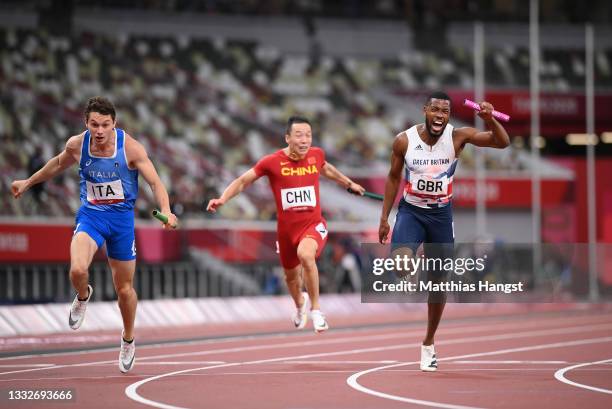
{"points": [[499, 115]]}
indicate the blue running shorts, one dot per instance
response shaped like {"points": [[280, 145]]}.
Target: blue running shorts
{"points": [[415, 225], [116, 228], [431, 226]]}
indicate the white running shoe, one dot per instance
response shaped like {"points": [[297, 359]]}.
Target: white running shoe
{"points": [[77, 310], [318, 321], [127, 355], [300, 316], [429, 363]]}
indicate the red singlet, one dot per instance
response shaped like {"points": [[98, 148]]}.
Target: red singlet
{"points": [[295, 184]]}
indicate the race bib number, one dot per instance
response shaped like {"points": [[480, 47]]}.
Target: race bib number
{"points": [[428, 186], [298, 197], [105, 193]]}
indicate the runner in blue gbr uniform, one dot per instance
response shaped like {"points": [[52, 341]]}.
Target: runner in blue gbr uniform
{"points": [[109, 163]]}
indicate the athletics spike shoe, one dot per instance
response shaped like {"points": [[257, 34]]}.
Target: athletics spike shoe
{"points": [[127, 355], [429, 363], [300, 316], [77, 310], [318, 321]]}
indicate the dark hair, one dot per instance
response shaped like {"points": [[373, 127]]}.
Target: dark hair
{"points": [[437, 95], [296, 120], [100, 105]]}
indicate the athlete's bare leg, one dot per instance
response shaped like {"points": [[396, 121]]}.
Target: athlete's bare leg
{"points": [[82, 250], [405, 252], [436, 300], [434, 314], [435, 303], [295, 283], [123, 279], [307, 253]]}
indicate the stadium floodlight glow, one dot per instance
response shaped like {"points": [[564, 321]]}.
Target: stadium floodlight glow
{"points": [[606, 137], [581, 139]]}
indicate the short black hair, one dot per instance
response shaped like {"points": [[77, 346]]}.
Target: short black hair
{"points": [[100, 105], [296, 120], [437, 95]]}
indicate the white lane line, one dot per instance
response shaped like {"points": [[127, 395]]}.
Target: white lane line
{"points": [[293, 344], [345, 339], [256, 373], [560, 376], [7, 343], [342, 340], [491, 369], [26, 365], [79, 378], [504, 324], [352, 380], [337, 362], [181, 363], [39, 367], [306, 372], [511, 362], [131, 390]]}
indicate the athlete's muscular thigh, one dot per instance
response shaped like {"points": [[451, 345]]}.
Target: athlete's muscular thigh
{"points": [[123, 273], [82, 250]]}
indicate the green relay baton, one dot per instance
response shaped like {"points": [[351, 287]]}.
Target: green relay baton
{"points": [[161, 217], [371, 195]]}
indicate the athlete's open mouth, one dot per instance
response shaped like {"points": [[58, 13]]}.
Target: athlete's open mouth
{"points": [[437, 126]]}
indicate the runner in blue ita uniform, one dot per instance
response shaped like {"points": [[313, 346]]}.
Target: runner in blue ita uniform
{"points": [[109, 163], [429, 152]]}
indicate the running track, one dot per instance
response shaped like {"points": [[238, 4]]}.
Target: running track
{"points": [[543, 360]]}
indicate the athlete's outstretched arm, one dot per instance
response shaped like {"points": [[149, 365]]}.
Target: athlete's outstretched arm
{"points": [[53, 167], [234, 188], [495, 136], [139, 159], [331, 172], [400, 146]]}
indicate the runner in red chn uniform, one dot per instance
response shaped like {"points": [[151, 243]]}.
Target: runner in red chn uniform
{"points": [[293, 173]]}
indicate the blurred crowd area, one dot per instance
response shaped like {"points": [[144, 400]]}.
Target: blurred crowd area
{"points": [[417, 12], [207, 109]]}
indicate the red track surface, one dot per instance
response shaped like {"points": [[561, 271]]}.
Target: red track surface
{"points": [[491, 362]]}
